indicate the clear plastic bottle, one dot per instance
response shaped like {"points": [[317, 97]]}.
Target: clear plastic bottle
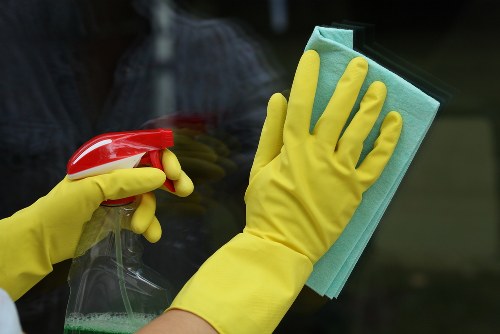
{"points": [[111, 290]]}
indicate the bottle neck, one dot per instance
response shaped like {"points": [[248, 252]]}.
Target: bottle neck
{"points": [[98, 239]]}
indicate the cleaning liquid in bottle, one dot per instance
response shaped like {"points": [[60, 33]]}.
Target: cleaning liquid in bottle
{"points": [[111, 289]]}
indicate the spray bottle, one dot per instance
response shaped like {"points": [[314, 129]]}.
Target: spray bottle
{"points": [[111, 290]]}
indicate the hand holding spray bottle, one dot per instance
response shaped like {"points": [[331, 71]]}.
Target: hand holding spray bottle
{"points": [[111, 290]]}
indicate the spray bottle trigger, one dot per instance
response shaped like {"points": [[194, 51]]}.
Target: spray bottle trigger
{"points": [[153, 158]]}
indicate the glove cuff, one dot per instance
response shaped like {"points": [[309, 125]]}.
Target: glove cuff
{"points": [[25, 259], [247, 286]]}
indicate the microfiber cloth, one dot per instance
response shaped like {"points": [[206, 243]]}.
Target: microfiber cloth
{"points": [[335, 47]]}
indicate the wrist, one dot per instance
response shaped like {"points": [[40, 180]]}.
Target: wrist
{"points": [[247, 286], [28, 260]]}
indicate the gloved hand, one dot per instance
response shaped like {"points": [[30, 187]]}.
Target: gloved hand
{"points": [[48, 231], [303, 190]]}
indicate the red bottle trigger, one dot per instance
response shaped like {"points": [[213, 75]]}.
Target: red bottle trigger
{"points": [[117, 150]]}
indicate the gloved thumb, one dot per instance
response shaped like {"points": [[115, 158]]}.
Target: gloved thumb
{"points": [[271, 138], [123, 183]]}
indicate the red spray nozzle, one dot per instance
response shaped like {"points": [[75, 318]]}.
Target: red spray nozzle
{"points": [[117, 150]]}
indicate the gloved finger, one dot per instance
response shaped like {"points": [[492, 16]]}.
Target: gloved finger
{"points": [[300, 104], [171, 165], [183, 186], [121, 183], [271, 137], [351, 143], [144, 214], [375, 162], [154, 232], [333, 119]]}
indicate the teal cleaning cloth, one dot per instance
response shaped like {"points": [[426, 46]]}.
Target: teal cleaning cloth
{"points": [[335, 47]]}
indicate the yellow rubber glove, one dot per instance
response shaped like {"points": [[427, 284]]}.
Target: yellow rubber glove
{"points": [[48, 231], [303, 190]]}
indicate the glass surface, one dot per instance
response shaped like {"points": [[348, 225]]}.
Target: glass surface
{"points": [[70, 70]]}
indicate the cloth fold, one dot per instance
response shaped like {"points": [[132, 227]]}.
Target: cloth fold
{"points": [[335, 47]]}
